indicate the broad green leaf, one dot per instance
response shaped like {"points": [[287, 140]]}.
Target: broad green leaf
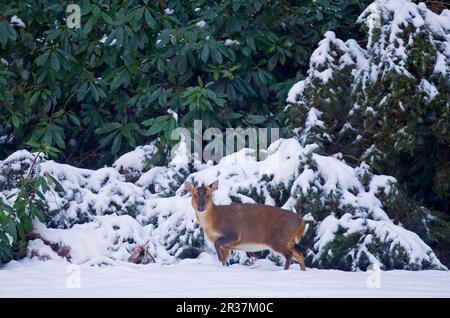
{"points": [[54, 62], [205, 53], [15, 120], [75, 120], [106, 128], [35, 97], [54, 181], [256, 119], [116, 144], [149, 19]]}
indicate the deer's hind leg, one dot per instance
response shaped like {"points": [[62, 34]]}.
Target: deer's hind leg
{"points": [[299, 258], [288, 257], [225, 255], [297, 255]]}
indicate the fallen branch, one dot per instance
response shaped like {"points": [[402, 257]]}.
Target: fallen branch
{"points": [[141, 255]]}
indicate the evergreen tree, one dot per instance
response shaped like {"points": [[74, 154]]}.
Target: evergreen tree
{"points": [[387, 103]]}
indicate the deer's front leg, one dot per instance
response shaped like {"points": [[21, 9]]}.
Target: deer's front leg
{"points": [[222, 244]]}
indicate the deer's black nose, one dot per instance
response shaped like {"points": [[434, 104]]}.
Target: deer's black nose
{"points": [[201, 199]]}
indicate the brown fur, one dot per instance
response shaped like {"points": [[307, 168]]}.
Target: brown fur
{"points": [[242, 226]]}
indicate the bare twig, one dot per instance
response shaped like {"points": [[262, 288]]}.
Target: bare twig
{"points": [[33, 164]]}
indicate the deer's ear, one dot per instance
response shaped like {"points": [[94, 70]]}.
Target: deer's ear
{"points": [[188, 186], [214, 185]]}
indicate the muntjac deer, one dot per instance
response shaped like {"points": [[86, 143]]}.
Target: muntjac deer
{"points": [[247, 227]]}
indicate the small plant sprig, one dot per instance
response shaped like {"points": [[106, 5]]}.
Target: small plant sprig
{"points": [[20, 208]]}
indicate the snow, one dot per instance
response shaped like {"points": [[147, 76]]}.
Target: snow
{"points": [[5, 139], [103, 40], [324, 62], [16, 21], [99, 190], [10, 238], [429, 89], [304, 179], [201, 278], [386, 44], [401, 14], [295, 91], [230, 42], [336, 173], [101, 241], [406, 12], [313, 118], [321, 56], [441, 66], [381, 182], [18, 156], [173, 114], [201, 24], [135, 160], [326, 231], [168, 11]]}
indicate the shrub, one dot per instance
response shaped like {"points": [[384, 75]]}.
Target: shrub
{"points": [[19, 208], [137, 69]]}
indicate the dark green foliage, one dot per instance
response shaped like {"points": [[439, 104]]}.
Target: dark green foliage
{"points": [[189, 252], [280, 193], [235, 199], [254, 194], [95, 100], [338, 254], [403, 210], [316, 202], [364, 261], [391, 258], [438, 225]]}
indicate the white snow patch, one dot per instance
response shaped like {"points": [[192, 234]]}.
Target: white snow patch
{"points": [[168, 11], [103, 40], [173, 113], [16, 21], [200, 24], [230, 42], [135, 160], [295, 91], [429, 89]]}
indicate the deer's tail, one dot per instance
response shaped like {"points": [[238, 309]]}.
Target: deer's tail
{"points": [[300, 232]]}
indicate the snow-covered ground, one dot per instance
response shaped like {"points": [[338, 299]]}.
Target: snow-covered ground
{"points": [[197, 278]]}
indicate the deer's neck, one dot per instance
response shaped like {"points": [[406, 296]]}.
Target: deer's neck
{"points": [[208, 222]]}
